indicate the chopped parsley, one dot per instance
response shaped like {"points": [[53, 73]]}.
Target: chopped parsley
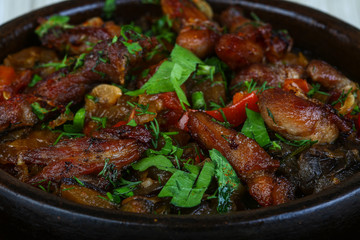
{"points": [[53, 21], [254, 128], [228, 181], [56, 65], [316, 89], [35, 79], [171, 75], [39, 111], [109, 8]]}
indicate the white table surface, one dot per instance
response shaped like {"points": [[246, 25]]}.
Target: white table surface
{"points": [[347, 10]]}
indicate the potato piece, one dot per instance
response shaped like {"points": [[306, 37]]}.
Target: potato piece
{"points": [[84, 195]]}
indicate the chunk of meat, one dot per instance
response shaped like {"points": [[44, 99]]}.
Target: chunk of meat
{"points": [[339, 85], [82, 156], [199, 37], [249, 160], [84, 195], [323, 73], [29, 57], [273, 75], [139, 133], [250, 41], [181, 11], [297, 118], [77, 40], [238, 51], [17, 112], [12, 82]]}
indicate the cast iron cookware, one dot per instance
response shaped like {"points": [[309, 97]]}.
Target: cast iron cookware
{"points": [[31, 213]]}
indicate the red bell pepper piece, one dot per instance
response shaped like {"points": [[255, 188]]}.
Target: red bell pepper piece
{"points": [[170, 100], [7, 75], [120, 124], [295, 85], [235, 114]]}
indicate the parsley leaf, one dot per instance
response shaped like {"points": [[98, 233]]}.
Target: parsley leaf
{"points": [[254, 127], [40, 111], [109, 8], [227, 179], [35, 79], [78, 122], [56, 65], [171, 74], [53, 21], [175, 79], [101, 121], [159, 161], [198, 100], [131, 44], [79, 61], [188, 188]]}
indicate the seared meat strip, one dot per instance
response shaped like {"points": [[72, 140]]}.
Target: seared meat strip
{"points": [[87, 155], [250, 161]]}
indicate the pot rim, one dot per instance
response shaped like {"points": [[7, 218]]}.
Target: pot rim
{"points": [[334, 197]]}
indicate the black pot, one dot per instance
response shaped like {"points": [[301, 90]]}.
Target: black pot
{"points": [[31, 213]]}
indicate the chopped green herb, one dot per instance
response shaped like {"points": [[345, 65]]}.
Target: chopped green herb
{"points": [[78, 181], [67, 189], [132, 123], [36, 78], [109, 8], [53, 21], [140, 108], [79, 61], [56, 65], [131, 44], [154, 126], [124, 190], [171, 74], [207, 70], [39, 111], [133, 48], [109, 172], [115, 39], [227, 179], [198, 100], [342, 98], [255, 17], [150, 2], [254, 127], [315, 89], [270, 115], [159, 161], [188, 188], [101, 120], [70, 135], [67, 108], [220, 66], [94, 99], [175, 79], [296, 143], [78, 122], [355, 110]]}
